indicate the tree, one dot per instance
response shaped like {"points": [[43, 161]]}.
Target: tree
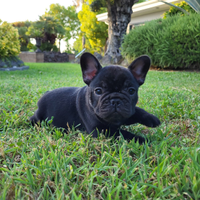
{"points": [[68, 18], [52, 29], [119, 15], [36, 29], [22, 29], [94, 32], [48, 29]]}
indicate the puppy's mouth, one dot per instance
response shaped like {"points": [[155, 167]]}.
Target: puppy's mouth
{"points": [[114, 116]]}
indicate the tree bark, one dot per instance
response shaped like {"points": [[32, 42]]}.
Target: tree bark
{"points": [[119, 16], [59, 45]]}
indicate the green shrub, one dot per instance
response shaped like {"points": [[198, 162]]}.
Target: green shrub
{"points": [[171, 43], [48, 29], [174, 11], [31, 46], [22, 28], [9, 42], [47, 46], [10, 62]]}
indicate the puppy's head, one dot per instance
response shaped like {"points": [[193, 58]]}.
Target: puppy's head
{"points": [[113, 90]]}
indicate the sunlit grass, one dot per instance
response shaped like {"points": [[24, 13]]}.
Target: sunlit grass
{"points": [[43, 163]]}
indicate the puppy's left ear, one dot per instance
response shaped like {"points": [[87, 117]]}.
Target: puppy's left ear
{"points": [[139, 68], [90, 67]]}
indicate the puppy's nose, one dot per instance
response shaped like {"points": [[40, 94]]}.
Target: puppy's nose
{"points": [[115, 102]]}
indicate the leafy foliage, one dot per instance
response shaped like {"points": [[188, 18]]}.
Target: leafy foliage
{"points": [[171, 43], [174, 11], [195, 4], [36, 29], [96, 5], [22, 29], [95, 32], [9, 40], [67, 17], [78, 44], [31, 47], [48, 29]]}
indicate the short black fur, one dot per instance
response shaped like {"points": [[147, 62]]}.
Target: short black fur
{"points": [[107, 102]]}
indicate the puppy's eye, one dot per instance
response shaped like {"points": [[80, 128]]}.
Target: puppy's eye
{"points": [[131, 91], [98, 91]]}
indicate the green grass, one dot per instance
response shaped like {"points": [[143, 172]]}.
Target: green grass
{"points": [[38, 163]]}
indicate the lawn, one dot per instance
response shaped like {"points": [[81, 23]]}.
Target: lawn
{"points": [[42, 163]]}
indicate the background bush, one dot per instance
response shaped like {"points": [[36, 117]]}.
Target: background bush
{"points": [[48, 29], [22, 28], [174, 11], [9, 40], [171, 43]]}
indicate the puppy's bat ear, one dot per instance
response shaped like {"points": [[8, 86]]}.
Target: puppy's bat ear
{"points": [[139, 68], [90, 67]]}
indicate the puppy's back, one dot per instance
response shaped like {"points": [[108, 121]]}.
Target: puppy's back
{"points": [[59, 104]]}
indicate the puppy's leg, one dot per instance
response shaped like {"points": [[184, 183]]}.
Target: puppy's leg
{"points": [[116, 133], [34, 119], [143, 117], [129, 136]]}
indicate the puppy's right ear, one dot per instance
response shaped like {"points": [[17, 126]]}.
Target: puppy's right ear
{"points": [[90, 67]]}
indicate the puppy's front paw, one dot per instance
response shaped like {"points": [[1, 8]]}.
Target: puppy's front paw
{"points": [[140, 139], [150, 120]]}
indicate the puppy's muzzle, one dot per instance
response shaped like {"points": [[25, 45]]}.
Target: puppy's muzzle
{"points": [[115, 102]]}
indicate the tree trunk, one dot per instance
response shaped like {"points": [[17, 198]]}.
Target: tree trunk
{"points": [[59, 45], [119, 16]]}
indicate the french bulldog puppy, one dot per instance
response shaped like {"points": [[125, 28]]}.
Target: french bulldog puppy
{"points": [[107, 102]]}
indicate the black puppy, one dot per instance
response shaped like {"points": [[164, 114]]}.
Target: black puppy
{"points": [[107, 102]]}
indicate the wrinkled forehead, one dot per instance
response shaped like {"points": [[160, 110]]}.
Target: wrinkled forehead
{"points": [[115, 77]]}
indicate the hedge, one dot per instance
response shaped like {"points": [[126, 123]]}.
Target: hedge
{"points": [[171, 43], [9, 40]]}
